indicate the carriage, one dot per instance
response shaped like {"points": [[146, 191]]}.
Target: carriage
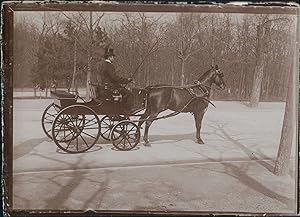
{"points": [[74, 124], [75, 127]]}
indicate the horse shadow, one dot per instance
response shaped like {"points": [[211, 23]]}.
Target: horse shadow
{"points": [[173, 137]]}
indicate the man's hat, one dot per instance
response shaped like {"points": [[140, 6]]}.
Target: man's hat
{"points": [[109, 52]]}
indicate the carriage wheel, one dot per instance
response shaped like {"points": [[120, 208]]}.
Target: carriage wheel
{"points": [[76, 129], [48, 117], [125, 135], [107, 123]]}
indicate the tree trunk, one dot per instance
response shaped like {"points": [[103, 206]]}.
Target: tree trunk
{"points": [[88, 76], [259, 69], [288, 127], [182, 79], [74, 66]]}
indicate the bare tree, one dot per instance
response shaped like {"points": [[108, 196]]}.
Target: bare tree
{"points": [[263, 30], [288, 127], [88, 24], [184, 38]]}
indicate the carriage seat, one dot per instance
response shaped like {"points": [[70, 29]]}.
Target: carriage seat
{"points": [[103, 92], [61, 94]]}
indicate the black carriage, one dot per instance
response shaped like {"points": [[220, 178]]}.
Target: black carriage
{"points": [[75, 127]]}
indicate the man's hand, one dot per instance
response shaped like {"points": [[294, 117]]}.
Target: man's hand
{"points": [[129, 80]]}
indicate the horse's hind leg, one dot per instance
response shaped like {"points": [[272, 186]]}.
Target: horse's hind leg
{"points": [[198, 121], [148, 124]]}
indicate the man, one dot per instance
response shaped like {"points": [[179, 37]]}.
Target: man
{"points": [[113, 81], [109, 75]]}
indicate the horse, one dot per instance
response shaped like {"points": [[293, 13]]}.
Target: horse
{"points": [[193, 99]]}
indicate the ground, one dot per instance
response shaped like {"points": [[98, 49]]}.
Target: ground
{"points": [[231, 172]]}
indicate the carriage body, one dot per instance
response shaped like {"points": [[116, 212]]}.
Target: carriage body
{"points": [[107, 105]]}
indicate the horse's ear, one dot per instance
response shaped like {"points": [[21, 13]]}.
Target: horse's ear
{"points": [[216, 67]]}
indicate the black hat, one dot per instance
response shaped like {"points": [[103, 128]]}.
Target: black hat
{"points": [[109, 52]]}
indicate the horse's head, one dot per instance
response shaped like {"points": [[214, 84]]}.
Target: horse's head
{"points": [[217, 78]]}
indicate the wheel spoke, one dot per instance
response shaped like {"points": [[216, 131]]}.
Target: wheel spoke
{"points": [[58, 131], [129, 142], [46, 118], [50, 115], [130, 134], [103, 121], [91, 121], [81, 120], [88, 135], [124, 140], [84, 141], [70, 120], [130, 129], [91, 128], [131, 137], [69, 144], [64, 131], [120, 141], [62, 140], [48, 122], [77, 142], [90, 124], [105, 131]]}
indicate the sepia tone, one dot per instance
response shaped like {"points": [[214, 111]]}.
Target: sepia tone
{"points": [[203, 120]]}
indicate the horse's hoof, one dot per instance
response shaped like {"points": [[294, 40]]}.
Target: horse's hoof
{"points": [[200, 141], [147, 144]]}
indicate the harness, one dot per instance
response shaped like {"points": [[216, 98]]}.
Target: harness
{"points": [[191, 90], [204, 89]]}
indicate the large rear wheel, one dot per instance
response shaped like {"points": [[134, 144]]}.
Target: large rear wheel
{"points": [[76, 129]]}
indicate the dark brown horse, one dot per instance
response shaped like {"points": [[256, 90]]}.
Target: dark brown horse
{"points": [[194, 99]]}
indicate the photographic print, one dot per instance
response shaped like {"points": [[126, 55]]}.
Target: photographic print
{"points": [[128, 108]]}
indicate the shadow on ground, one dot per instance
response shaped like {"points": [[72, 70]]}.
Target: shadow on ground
{"points": [[27, 146]]}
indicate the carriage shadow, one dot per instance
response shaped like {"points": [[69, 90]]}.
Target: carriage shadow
{"points": [[134, 149], [95, 148]]}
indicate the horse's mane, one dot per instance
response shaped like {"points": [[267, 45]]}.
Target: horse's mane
{"points": [[205, 75]]}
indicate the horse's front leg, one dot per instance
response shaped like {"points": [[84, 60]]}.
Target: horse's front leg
{"points": [[142, 118], [198, 121], [148, 124]]}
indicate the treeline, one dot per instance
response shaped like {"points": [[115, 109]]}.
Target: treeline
{"points": [[253, 51]]}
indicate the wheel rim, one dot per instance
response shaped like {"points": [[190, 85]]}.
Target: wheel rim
{"points": [[106, 124], [125, 135], [75, 133], [48, 117]]}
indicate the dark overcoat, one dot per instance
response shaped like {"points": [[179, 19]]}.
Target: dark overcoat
{"points": [[110, 77]]}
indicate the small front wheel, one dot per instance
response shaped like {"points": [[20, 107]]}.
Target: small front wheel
{"points": [[125, 135]]}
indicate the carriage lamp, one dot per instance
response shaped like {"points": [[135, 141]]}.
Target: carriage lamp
{"points": [[117, 96]]}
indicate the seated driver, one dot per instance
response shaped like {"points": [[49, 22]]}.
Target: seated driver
{"points": [[110, 78]]}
